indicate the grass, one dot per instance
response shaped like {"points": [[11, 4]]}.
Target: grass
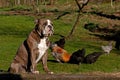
{"points": [[10, 41], [13, 25], [15, 28], [12, 33]]}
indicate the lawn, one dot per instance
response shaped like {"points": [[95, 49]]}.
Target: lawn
{"points": [[15, 28]]}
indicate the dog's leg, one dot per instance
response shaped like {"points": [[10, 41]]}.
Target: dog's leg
{"points": [[33, 64], [16, 68], [32, 55], [44, 63]]}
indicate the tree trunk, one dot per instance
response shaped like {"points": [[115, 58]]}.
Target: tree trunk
{"points": [[112, 3], [51, 2], [74, 26], [0, 3], [18, 2], [24, 2], [80, 5]]}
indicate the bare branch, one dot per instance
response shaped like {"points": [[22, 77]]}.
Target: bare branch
{"points": [[83, 2], [80, 5]]}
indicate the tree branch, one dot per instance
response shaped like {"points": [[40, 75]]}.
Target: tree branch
{"points": [[80, 6]]}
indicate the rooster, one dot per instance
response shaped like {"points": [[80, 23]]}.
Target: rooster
{"points": [[107, 48], [91, 58], [77, 57], [60, 54]]}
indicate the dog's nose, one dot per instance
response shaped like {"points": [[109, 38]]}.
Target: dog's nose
{"points": [[50, 26]]}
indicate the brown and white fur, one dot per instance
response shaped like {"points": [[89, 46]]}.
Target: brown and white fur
{"points": [[33, 49]]}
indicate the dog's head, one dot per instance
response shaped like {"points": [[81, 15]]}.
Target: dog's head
{"points": [[44, 27]]}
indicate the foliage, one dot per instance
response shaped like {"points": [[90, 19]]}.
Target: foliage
{"points": [[21, 8], [91, 27]]}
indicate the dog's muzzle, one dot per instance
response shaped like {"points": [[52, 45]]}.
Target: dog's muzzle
{"points": [[49, 30]]}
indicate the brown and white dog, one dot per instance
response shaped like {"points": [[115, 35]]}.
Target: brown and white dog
{"points": [[33, 49]]}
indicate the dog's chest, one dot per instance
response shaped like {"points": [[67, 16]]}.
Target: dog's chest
{"points": [[42, 47]]}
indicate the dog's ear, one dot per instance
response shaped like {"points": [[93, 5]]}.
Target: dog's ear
{"points": [[37, 24], [38, 27], [38, 21]]}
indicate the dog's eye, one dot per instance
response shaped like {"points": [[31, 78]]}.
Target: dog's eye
{"points": [[45, 24], [52, 24]]}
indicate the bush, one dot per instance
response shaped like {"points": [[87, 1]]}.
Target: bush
{"points": [[21, 8], [91, 27]]}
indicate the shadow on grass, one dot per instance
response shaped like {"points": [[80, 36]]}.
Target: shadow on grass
{"points": [[117, 52], [104, 37], [9, 76], [59, 35], [54, 61], [106, 15]]}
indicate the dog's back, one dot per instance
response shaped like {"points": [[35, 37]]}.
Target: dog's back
{"points": [[20, 60]]}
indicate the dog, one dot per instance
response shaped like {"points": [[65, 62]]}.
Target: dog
{"points": [[77, 57], [60, 54], [33, 49]]}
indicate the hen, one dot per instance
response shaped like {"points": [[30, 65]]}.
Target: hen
{"points": [[60, 54], [91, 58], [60, 42], [107, 48], [77, 57]]}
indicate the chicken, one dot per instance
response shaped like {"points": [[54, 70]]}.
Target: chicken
{"points": [[91, 58], [60, 42], [60, 54], [107, 48], [117, 40], [77, 57]]}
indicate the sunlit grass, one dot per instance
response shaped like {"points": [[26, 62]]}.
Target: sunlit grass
{"points": [[14, 30]]}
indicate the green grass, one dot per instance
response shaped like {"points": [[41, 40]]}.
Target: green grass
{"points": [[10, 41], [15, 28], [15, 25]]}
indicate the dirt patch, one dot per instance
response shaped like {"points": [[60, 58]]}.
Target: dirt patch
{"points": [[82, 76], [28, 13]]}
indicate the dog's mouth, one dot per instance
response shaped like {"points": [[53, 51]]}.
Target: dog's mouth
{"points": [[50, 32]]}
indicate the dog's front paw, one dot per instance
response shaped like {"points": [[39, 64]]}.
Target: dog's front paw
{"points": [[35, 72], [50, 72]]}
